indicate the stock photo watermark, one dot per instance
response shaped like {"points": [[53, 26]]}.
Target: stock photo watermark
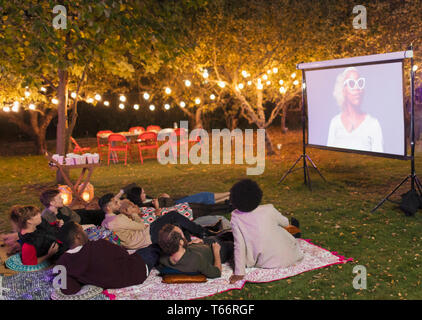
{"points": [[359, 22], [200, 153], [359, 281], [60, 20]]}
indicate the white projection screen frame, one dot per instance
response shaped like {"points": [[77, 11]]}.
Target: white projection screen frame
{"points": [[374, 85]]}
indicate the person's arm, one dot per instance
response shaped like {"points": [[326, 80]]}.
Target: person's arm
{"points": [[281, 220], [207, 268], [217, 258], [29, 254], [239, 251], [123, 222]]}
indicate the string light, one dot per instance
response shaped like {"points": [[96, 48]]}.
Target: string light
{"points": [[244, 74], [90, 100], [260, 86], [15, 107], [121, 106], [43, 89], [106, 103], [197, 101], [27, 94], [212, 96], [122, 98], [265, 77], [269, 71], [146, 96], [136, 106], [31, 106], [240, 86], [221, 84], [55, 101], [152, 107], [73, 95], [275, 70], [415, 67], [293, 75], [182, 104], [296, 82], [6, 109], [166, 106], [187, 83], [167, 90], [97, 97], [249, 82], [268, 82], [282, 89], [281, 82], [205, 74]]}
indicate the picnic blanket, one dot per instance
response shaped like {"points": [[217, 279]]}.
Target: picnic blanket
{"points": [[39, 285], [148, 213], [315, 257]]}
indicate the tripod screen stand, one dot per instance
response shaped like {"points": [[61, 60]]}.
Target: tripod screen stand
{"points": [[303, 156]]}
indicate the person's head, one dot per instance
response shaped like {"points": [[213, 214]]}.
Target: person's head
{"points": [[171, 239], [23, 217], [128, 208], [108, 203], [51, 198], [245, 195], [72, 235], [136, 195], [349, 88]]}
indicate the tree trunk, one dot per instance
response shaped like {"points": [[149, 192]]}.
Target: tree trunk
{"points": [[198, 119], [62, 143], [283, 115], [40, 142], [268, 144]]}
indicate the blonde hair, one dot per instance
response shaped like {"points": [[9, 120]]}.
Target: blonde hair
{"points": [[339, 85], [21, 214]]}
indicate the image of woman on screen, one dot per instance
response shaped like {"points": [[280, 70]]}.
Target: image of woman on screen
{"points": [[353, 128]]}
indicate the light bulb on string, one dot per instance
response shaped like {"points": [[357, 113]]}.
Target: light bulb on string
{"points": [[146, 95], [167, 106], [73, 95], [212, 96], [122, 98], [265, 77], [55, 101], [244, 73], [281, 82], [31, 106], [282, 90], [90, 100], [182, 104], [296, 82], [6, 109], [187, 83], [197, 101], [293, 75], [249, 82], [97, 97], [121, 106], [43, 89], [136, 106], [106, 103], [240, 86], [167, 90], [221, 84], [275, 70], [152, 107], [27, 94]]}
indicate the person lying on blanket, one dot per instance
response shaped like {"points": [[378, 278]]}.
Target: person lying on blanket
{"points": [[202, 256], [260, 237], [100, 263], [202, 204], [56, 212], [38, 239], [135, 234]]}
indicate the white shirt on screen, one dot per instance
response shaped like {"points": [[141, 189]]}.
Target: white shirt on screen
{"points": [[366, 137]]}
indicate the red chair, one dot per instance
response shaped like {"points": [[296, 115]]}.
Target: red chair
{"points": [[117, 143], [137, 130], [104, 145], [148, 141], [78, 148], [154, 128]]}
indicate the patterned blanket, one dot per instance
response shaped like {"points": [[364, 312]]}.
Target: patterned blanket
{"points": [[153, 289]]}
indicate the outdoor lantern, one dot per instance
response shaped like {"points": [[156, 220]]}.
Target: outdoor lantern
{"points": [[66, 194], [88, 193]]}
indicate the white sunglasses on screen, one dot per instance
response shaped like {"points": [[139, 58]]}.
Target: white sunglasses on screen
{"points": [[355, 84]]}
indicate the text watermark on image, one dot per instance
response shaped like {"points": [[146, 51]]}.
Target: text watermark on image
{"points": [[2, 289], [60, 281], [359, 281], [359, 22], [243, 145], [60, 21]]}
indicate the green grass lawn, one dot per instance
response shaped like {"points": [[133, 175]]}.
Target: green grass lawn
{"points": [[335, 215]]}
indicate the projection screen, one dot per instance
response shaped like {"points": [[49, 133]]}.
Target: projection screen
{"points": [[357, 104]]}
